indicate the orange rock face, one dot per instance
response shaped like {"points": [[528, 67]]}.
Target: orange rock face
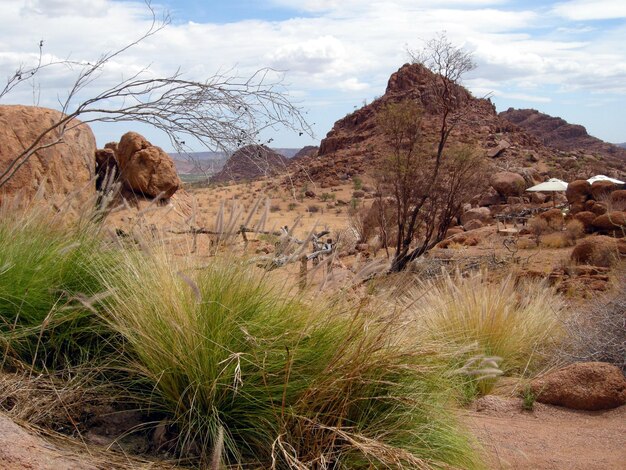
{"points": [[61, 169], [583, 386], [146, 169]]}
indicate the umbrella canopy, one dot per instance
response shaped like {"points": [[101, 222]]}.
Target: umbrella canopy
{"points": [[604, 178], [553, 184]]}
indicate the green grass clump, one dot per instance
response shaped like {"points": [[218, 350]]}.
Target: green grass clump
{"points": [[253, 377], [46, 273], [513, 325]]}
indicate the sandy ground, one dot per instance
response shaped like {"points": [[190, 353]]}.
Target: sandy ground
{"points": [[548, 437], [21, 450]]}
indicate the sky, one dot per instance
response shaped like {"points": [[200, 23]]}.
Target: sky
{"points": [[565, 58]]}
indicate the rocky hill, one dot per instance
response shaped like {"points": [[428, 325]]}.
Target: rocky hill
{"points": [[559, 134], [355, 143], [250, 162]]}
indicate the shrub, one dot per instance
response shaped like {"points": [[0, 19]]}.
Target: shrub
{"points": [[292, 206], [327, 197], [556, 240], [357, 183], [574, 229], [312, 208], [231, 361], [513, 322], [275, 208], [539, 227], [46, 276]]}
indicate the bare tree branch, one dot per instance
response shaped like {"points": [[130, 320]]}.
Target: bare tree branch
{"points": [[220, 112]]}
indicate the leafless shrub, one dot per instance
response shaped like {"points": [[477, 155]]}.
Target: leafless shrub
{"points": [[539, 227], [598, 333]]}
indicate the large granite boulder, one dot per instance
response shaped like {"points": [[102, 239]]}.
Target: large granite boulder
{"points": [[507, 183], [145, 168], [62, 168]]}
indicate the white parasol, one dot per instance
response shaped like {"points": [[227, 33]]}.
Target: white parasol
{"points": [[593, 179], [552, 185]]}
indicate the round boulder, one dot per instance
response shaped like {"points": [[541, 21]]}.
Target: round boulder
{"points": [[582, 386], [508, 184], [578, 192], [482, 214], [554, 218], [599, 250], [618, 199], [62, 168], [602, 189], [473, 225], [596, 207], [586, 218], [611, 221], [146, 169]]}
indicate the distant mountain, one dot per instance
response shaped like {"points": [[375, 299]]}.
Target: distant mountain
{"points": [[212, 162], [623, 145], [557, 133], [250, 162]]}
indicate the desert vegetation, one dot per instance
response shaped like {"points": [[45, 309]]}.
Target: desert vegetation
{"points": [[346, 311], [240, 371]]}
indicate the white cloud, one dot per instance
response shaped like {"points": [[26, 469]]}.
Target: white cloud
{"points": [[52, 8], [311, 56], [581, 10], [343, 54]]}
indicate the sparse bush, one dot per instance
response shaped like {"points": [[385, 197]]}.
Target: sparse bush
{"points": [[325, 197], [292, 206], [353, 206], [232, 361], [528, 399], [556, 240], [574, 229], [313, 208], [517, 323], [539, 227], [358, 194], [598, 332], [275, 208], [526, 244], [357, 183]]}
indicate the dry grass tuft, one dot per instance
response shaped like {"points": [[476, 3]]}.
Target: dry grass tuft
{"points": [[519, 323]]}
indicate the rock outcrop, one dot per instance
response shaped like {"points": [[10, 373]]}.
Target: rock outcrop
{"points": [[250, 162], [146, 169], [58, 170], [582, 386], [356, 144]]}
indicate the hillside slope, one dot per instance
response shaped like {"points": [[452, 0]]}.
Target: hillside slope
{"points": [[557, 133], [355, 144]]}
